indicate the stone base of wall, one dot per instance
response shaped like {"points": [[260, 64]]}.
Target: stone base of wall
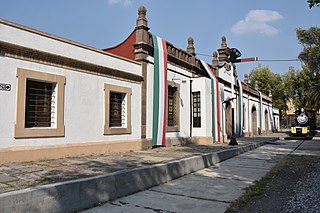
{"points": [[21, 154], [246, 134], [202, 140]]}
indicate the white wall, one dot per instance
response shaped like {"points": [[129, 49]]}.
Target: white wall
{"points": [[84, 93], [35, 41], [227, 95], [276, 118], [226, 75], [246, 112], [223, 109], [253, 101], [203, 85], [181, 77], [84, 105]]}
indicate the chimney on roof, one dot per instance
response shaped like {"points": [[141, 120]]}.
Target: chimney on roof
{"points": [[190, 48], [246, 78]]}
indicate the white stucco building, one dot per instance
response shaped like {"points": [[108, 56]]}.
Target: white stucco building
{"points": [[61, 98]]}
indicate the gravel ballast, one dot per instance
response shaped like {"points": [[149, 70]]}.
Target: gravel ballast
{"points": [[306, 194], [293, 187]]}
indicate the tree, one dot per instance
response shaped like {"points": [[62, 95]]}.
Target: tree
{"points": [[293, 85], [315, 98], [269, 82], [313, 3], [297, 86], [310, 55]]}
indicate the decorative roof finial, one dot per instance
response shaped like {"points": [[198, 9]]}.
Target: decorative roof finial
{"points": [[224, 42], [190, 48], [142, 18], [215, 59], [223, 51], [142, 11]]}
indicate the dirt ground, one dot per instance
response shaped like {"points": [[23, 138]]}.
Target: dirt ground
{"points": [[279, 186]]}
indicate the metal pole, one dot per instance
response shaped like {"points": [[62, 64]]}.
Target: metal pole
{"points": [[232, 103]]}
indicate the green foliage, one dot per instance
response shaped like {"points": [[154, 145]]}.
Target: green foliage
{"points": [[293, 85], [298, 86], [310, 55], [315, 91], [313, 3], [269, 82]]}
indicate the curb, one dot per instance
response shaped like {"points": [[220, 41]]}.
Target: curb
{"points": [[76, 195]]}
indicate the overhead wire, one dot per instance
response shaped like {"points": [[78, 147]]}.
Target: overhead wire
{"points": [[264, 60]]}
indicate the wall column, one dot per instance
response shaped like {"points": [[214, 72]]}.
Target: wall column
{"points": [[141, 54]]}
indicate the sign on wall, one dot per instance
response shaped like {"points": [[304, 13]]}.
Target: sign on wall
{"points": [[5, 87]]}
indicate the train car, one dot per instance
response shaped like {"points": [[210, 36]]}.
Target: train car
{"points": [[304, 126]]}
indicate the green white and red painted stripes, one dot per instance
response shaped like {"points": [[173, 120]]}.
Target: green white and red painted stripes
{"points": [[215, 102], [240, 108], [159, 91]]}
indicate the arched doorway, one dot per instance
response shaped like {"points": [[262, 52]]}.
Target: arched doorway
{"points": [[266, 122], [228, 120], [254, 127]]}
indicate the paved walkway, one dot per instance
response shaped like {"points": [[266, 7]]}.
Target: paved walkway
{"points": [[210, 189], [15, 176]]}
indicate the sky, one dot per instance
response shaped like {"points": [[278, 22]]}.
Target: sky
{"points": [[263, 29]]}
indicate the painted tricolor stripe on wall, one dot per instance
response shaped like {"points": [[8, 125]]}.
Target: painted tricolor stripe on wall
{"points": [[240, 108], [159, 92], [215, 103]]}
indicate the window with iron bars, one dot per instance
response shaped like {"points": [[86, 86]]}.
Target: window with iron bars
{"points": [[117, 110], [173, 107], [196, 109], [40, 104], [117, 114]]}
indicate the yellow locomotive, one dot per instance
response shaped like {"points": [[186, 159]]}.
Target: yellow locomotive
{"points": [[305, 123]]}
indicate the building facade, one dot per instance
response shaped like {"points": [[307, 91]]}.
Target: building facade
{"points": [[61, 98]]}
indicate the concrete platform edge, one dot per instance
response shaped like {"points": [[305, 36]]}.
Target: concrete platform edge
{"points": [[85, 193]]}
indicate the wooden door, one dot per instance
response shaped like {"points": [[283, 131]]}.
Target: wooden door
{"points": [[254, 126], [229, 120], [266, 122]]}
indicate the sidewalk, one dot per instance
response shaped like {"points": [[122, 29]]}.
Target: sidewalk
{"points": [[17, 176], [211, 189]]}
